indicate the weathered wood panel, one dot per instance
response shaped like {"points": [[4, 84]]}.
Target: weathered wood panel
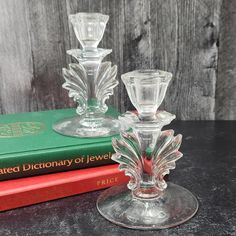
{"points": [[186, 46], [180, 36], [226, 77], [16, 70], [49, 36]]}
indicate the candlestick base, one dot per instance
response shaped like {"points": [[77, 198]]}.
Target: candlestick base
{"points": [[78, 127], [173, 207]]}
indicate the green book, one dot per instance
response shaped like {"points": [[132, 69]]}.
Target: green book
{"points": [[29, 146]]}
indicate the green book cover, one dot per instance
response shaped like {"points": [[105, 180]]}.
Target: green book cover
{"points": [[29, 146]]}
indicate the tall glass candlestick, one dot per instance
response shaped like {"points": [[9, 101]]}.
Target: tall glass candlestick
{"points": [[90, 82], [147, 154]]}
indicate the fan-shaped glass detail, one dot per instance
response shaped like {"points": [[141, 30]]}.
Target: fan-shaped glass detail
{"points": [[89, 81], [147, 154]]}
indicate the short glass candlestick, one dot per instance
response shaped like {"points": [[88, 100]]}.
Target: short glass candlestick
{"points": [[147, 154], [89, 81]]}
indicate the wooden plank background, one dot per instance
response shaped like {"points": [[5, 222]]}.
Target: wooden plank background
{"points": [[193, 39]]}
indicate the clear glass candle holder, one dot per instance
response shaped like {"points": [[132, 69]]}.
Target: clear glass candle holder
{"points": [[89, 81], [147, 154]]}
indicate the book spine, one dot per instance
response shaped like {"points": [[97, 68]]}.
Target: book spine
{"points": [[43, 193], [55, 160]]}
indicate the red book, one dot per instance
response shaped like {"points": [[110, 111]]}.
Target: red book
{"points": [[27, 191]]}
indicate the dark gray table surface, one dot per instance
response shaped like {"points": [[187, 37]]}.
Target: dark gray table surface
{"points": [[207, 169]]}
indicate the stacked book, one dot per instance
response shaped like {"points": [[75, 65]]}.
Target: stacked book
{"points": [[37, 164]]}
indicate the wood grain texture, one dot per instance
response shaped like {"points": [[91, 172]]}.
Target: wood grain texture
{"points": [[226, 77], [187, 47], [49, 36], [180, 36], [15, 57]]}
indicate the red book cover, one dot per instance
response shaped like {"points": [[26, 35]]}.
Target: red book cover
{"points": [[31, 190]]}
